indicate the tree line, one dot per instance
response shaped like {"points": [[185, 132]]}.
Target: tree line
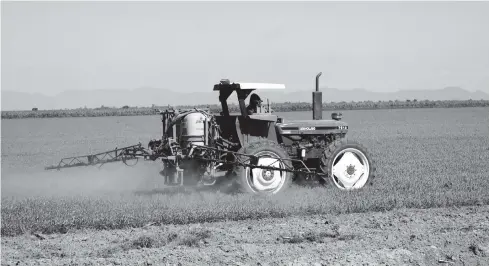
{"points": [[215, 108]]}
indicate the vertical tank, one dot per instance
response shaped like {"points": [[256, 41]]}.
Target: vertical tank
{"points": [[192, 129]]}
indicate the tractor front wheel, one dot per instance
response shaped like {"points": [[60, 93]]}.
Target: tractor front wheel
{"points": [[261, 180], [347, 164]]}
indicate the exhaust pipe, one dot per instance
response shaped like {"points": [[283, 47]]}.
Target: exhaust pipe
{"points": [[317, 80], [317, 101]]}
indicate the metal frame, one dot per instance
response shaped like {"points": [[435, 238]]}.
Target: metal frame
{"points": [[238, 162], [118, 154], [243, 90], [137, 151]]}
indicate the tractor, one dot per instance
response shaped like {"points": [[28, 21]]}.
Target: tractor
{"points": [[256, 152]]}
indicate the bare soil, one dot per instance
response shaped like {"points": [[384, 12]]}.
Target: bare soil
{"points": [[451, 236]]}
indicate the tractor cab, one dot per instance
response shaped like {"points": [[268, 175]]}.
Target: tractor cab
{"points": [[243, 90], [240, 127]]}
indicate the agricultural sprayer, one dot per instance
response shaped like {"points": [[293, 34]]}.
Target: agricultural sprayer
{"points": [[256, 153]]}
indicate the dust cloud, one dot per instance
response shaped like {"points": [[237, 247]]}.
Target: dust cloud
{"points": [[114, 178]]}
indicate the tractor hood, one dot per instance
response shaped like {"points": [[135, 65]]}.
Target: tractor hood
{"points": [[312, 127]]}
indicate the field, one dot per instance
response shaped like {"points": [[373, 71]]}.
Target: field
{"points": [[426, 158]]}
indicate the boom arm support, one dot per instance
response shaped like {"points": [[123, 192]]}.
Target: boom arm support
{"points": [[116, 155]]}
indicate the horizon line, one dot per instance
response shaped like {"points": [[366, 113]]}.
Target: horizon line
{"points": [[286, 91]]}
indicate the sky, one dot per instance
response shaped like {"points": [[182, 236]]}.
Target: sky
{"points": [[50, 47]]}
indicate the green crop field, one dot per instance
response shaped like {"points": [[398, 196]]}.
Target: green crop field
{"points": [[424, 157]]}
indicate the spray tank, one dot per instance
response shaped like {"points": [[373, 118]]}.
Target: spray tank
{"points": [[189, 128], [192, 129]]}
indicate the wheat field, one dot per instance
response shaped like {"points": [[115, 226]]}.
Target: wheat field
{"points": [[424, 157]]}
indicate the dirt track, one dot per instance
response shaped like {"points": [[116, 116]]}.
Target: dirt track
{"points": [[452, 236]]}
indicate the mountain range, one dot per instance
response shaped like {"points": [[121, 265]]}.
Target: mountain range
{"points": [[145, 97]]}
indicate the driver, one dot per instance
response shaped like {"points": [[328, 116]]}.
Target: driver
{"points": [[255, 102]]}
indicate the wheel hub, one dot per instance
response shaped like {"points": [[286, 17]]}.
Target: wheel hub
{"points": [[267, 175], [350, 170], [267, 179]]}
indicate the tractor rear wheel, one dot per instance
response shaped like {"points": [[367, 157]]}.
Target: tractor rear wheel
{"points": [[260, 180], [348, 164]]}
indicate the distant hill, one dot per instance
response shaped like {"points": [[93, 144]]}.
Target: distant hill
{"points": [[12, 101]]}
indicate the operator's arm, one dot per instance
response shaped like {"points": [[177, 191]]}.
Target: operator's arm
{"points": [[249, 110]]}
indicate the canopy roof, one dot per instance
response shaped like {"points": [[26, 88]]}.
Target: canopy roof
{"points": [[227, 85]]}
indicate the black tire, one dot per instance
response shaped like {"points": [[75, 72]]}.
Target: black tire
{"points": [[330, 153], [258, 148]]}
